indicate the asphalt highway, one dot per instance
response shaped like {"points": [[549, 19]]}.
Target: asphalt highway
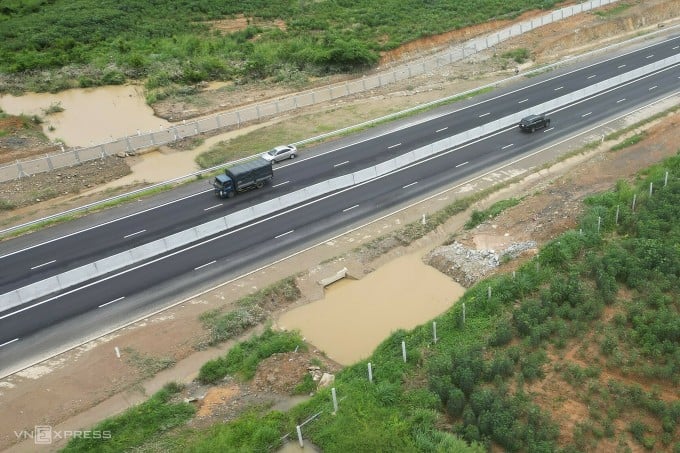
{"points": [[24, 262], [229, 254]]}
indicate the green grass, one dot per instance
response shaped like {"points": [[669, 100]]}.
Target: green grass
{"points": [[613, 11], [137, 424], [469, 390], [264, 139], [73, 216], [630, 141], [55, 107], [173, 43], [147, 365], [242, 360], [249, 311], [519, 55], [479, 217], [6, 205]]}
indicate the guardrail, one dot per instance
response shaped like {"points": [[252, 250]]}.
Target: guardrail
{"points": [[271, 108], [158, 247]]}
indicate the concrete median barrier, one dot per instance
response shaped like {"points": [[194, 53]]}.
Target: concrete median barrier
{"points": [[130, 257]]}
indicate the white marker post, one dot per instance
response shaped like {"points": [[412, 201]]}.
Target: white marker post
{"points": [[403, 350], [299, 433], [370, 373], [117, 352], [434, 331], [335, 401]]}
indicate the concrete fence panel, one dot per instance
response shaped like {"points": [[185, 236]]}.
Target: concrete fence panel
{"points": [[9, 172], [286, 104], [371, 82], [61, 160], [305, 99], [89, 154], [31, 167]]}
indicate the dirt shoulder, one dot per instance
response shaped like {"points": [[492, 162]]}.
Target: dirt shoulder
{"points": [[89, 383], [83, 386]]}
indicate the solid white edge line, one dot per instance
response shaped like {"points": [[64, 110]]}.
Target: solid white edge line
{"points": [[350, 208], [205, 265], [113, 301], [105, 223], [265, 219], [361, 141], [280, 184], [325, 241], [213, 207], [341, 163], [9, 342], [43, 264], [409, 185], [283, 234], [134, 234]]}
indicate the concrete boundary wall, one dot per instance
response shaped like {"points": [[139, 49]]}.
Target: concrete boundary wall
{"points": [[138, 254], [271, 108]]}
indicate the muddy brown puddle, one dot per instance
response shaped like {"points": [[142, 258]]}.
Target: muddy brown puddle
{"points": [[355, 316]]}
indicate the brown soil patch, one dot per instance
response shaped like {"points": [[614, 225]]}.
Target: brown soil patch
{"points": [[217, 396], [240, 22]]}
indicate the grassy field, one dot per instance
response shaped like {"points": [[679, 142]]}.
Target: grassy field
{"points": [[178, 43], [595, 317]]}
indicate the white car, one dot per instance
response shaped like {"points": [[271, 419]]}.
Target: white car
{"points": [[281, 153]]}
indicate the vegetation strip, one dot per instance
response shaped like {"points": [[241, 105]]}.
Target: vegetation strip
{"points": [[475, 386]]}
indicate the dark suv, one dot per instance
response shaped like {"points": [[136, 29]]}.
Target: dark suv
{"points": [[533, 122]]}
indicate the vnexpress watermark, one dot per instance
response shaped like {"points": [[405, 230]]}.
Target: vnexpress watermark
{"points": [[45, 435]]}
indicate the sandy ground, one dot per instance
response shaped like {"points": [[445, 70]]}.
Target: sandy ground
{"points": [[87, 384]]}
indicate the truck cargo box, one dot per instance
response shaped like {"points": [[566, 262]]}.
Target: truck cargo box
{"points": [[243, 176]]}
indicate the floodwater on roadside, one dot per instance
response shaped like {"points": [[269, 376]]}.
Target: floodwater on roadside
{"points": [[294, 446], [91, 115], [355, 316], [163, 165]]}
